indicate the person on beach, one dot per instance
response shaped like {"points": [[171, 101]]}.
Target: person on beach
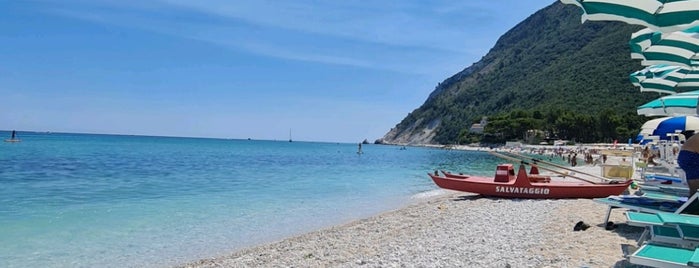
{"points": [[646, 153], [688, 160], [650, 160]]}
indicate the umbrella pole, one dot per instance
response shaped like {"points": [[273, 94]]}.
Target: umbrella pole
{"points": [[561, 167], [544, 168]]}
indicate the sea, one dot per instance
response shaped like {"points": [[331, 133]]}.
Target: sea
{"points": [[87, 200]]}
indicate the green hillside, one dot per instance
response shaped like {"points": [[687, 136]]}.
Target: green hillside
{"points": [[549, 73]]}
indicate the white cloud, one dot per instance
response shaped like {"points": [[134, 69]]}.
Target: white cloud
{"points": [[397, 36]]}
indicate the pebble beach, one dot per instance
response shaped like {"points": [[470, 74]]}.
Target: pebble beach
{"points": [[455, 229]]}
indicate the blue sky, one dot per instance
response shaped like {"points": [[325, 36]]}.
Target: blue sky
{"points": [[340, 71]]}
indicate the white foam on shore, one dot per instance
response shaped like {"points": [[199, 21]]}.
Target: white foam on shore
{"points": [[429, 194]]}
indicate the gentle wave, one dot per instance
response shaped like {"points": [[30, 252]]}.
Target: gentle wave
{"points": [[429, 194]]}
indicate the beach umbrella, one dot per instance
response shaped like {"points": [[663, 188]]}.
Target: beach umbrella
{"points": [[666, 79], [678, 104], [674, 48], [673, 124], [660, 15], [640, 137]]}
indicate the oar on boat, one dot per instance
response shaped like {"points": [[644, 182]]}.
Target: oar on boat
{"points": [[545, 168], [559, 166]]}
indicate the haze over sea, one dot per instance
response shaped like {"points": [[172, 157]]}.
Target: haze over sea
{"points": [[85, 200]]}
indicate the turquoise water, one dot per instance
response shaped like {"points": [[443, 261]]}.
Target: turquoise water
{"points": [[81, 200]]}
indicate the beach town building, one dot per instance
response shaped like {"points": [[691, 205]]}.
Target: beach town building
{"points": [[478, 127]]}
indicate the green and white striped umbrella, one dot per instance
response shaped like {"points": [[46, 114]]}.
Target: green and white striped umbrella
{"points": [[671, 105], [666, 79], [674, 48], [660, 15]]}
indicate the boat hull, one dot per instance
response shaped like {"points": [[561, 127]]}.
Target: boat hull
{"points": [[521, 187]]}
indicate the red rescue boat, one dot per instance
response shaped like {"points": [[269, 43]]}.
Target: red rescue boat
{"points": [[523, 185]]}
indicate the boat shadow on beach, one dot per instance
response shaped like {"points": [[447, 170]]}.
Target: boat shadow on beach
{"points": [[493, 198], [468, 197]]}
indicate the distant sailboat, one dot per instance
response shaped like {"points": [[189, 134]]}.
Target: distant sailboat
{"points": [[290, 135], [13, 138]]}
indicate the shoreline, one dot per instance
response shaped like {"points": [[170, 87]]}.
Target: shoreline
{"points": [[454, 229]]}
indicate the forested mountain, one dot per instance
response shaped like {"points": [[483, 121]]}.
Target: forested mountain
{"points": [[550, 73]]}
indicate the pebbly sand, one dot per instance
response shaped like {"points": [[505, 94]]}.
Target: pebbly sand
{"points": [[455, 229]]}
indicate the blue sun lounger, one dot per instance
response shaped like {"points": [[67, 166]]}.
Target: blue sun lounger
{"points": [[656, 255], [659, 188], [666, 228], [663, 177], [673, 241], [650, 202], [665, 195]]}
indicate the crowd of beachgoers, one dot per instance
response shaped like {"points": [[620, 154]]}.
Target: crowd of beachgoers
{"points": [[457, 229]]}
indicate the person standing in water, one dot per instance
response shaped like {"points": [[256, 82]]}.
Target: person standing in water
{"points": [[359, 150], [13, 138]]}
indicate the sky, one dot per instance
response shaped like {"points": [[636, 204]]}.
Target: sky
{"points": [[333, 71]]}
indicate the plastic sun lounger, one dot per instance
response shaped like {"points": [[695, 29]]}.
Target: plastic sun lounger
{"points": [[641, 219], [668, 235], [661, 218], [643, 204], [673, 237], [664, 195], [671, 189], [689, 232], [678, 219], [663, 177], [668, 190], [655, 255], [615, 203], [658, 231]]}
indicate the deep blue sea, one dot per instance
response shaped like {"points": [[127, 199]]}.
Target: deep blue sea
{"points": [[84, 200]]}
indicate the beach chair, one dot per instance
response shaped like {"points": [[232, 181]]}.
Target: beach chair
{"points": [[663, 177], [669, 244], [673, 243], [662, 195], [670, 190], [662, 229], [651, 202], [658, 255], [665, 184]]}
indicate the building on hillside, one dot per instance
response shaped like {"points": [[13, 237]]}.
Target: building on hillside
{"points": [[478, 127], [535, 136]]}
